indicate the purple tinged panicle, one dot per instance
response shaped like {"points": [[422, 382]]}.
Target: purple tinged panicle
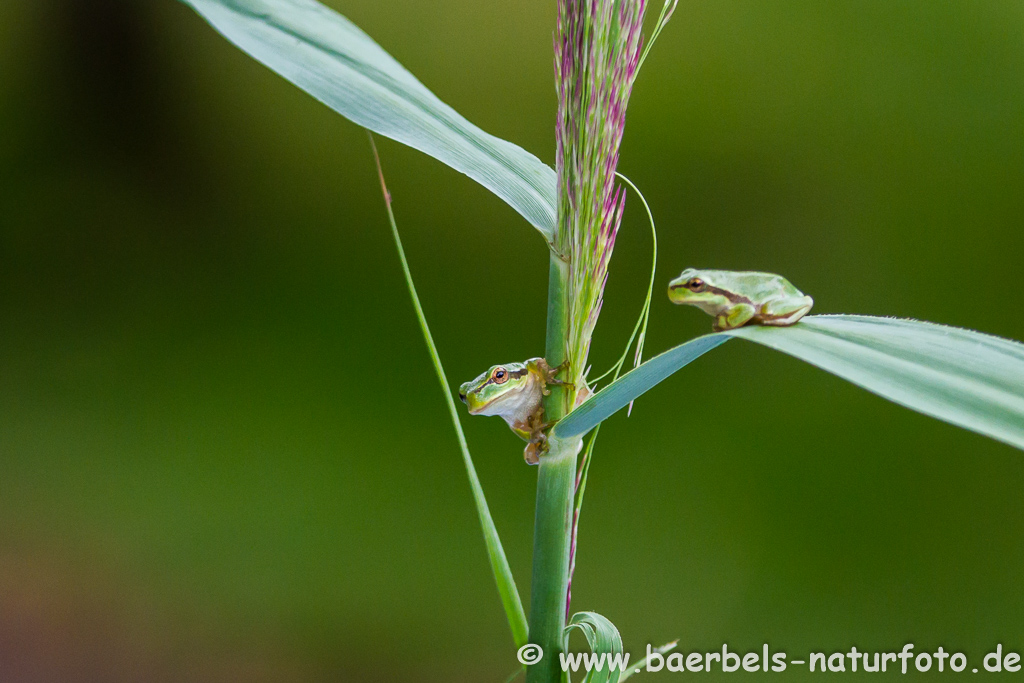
{"points": [[597, 53]]}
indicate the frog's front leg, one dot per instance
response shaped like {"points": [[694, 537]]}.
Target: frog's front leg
{"points": [[554, 372], [736, 316], [545, 374], [548, 373]]}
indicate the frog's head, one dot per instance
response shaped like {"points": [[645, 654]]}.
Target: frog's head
{"points": [[697, 288], [488, 393]]}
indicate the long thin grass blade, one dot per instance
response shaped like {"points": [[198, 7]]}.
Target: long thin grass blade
{"points": [[966, 378], [507, 590], [641, 666], [329, 57]]}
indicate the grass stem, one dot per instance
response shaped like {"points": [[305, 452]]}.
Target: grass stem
{"points": [[556, 483]]}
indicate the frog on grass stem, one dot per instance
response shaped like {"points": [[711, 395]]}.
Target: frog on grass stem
{"points": [[515, 392]]}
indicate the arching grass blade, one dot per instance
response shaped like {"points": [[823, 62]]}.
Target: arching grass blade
{"points": [[967, 378], [329, 57]]}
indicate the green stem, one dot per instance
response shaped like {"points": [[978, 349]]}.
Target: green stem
{"points": [[556, 479], [558, 329], [552, 532]]}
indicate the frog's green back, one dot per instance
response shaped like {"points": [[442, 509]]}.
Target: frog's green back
{"points": [[755, 285]]}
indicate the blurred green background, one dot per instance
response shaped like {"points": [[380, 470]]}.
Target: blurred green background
{"points": [[224, 456]]}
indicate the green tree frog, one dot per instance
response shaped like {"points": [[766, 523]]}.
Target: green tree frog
{"points": [[736, 298], [515, 392]]}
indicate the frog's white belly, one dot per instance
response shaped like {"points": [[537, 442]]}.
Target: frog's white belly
{"points": [[516, 406]]}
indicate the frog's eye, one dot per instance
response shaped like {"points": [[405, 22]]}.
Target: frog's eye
{"points": [[696, 284], [500, 375]]}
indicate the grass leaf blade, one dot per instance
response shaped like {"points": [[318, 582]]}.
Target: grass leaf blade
{"points": [[634, 383], [966, 378], [330, 58]]}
